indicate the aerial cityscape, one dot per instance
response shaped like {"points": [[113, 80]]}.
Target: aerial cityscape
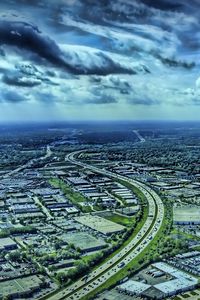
{"points": [[100, 211], [99, 150]]}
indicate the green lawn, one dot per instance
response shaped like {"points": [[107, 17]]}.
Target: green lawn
{"points": [[193, 293], [122, 220], [186, 296], [73, 196], [86, 209]]}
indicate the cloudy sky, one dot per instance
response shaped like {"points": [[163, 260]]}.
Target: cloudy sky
{"points": [[99, 60]]}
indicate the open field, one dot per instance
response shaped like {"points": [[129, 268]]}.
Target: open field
{"points": [[73, 196], [122, 220]]}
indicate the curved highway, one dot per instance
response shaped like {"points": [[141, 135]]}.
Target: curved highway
{"points": [[148, 232]]}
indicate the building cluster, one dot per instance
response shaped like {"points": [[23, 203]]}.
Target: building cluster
{"points": [[49, 226], [170, 282], [42, 222]]}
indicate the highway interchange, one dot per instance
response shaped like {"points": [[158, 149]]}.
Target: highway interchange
{"points": [[84, 286]]}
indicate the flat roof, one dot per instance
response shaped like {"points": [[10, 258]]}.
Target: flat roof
{"points": [[134, 287], [83, 240], [100, 224], [174, 285], [19, 285], [6, 242], [187, 214]]}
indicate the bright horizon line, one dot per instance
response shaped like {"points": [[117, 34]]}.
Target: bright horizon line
{"points": [[19, 122]]}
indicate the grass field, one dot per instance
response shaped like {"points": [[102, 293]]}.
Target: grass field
{"points": [[122, 220], [75, 197]]}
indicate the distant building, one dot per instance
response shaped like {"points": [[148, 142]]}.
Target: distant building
{"points": [[7, 244], [186, 215]]}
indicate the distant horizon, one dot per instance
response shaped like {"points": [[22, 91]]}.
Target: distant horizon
{"points": [[66, 122]]}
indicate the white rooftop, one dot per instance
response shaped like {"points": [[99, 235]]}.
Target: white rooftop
{"points": [[134, 287]]}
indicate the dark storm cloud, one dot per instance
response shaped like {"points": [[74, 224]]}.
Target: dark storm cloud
{"points": [[13, 79], [173, 62], [11, 96], [195, 101], [163, 4], [117, 83], [155, 41], [25, 75], [2, 52], [104, 99], [143, 101], [101, 97], [29, 37], [160, 26], [46, 97]]}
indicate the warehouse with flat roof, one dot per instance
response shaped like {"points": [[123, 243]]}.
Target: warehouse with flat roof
{"points": [[187, 215], [179, 282], [7, 244], [100, 224]]}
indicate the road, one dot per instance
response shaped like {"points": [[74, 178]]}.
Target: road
{"points": [[29, 163], [142, 140], [44, 209], [131, 251], [116, 198]]}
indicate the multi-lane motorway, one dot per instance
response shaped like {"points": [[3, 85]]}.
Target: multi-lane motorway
{"points": [[130, 252]]}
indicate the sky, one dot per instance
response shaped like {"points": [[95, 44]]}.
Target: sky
{"points": [[99, 60]]}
